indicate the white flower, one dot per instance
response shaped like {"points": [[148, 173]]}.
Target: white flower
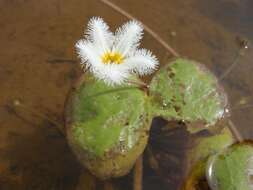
{"points": [[114, 57]]}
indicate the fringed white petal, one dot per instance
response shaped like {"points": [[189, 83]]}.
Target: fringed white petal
{"points": [[100, 41], [127, 37], [111, 74], [88, 54], [98, 33], [142, 62]]}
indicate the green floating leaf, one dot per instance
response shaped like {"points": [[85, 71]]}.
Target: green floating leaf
{"points": [[232, 169], [209, 145], [107, 127], [201, 149], [184, 90]]}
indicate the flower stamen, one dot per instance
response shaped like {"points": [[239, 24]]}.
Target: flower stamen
{"points": [[112, 57]]}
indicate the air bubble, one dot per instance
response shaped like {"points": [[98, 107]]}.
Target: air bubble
{"points": [[210, 176], [165, 104]]}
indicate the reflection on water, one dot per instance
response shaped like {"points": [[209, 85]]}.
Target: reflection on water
{"points": [[38, 65]]}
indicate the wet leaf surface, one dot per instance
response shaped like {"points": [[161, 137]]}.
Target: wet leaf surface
{"points": [[177, 159], [232, 168], [107, 126], [203, 147], [185, 90], [38, 66]]}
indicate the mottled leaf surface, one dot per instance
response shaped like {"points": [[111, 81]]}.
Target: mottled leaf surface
{"points": [[184, 90], [107, 123]]}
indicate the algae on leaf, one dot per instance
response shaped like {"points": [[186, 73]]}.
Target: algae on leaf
{"points": [[185, 90], [107, 126], [232, 169]]}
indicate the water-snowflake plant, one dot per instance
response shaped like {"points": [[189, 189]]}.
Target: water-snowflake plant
{"points": [[113, 58], [108, 120]]}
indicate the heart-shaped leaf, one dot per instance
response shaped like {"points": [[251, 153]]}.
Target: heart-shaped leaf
{"points": [[202, 147], [232, 169], [184, 90], [107, 126]]}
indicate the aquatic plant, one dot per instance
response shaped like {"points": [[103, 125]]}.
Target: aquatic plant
{"points": [[109, 113], [231, 168], [109, 119]]}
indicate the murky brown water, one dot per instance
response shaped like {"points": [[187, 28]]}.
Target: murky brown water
{"points": [[38, 65]]}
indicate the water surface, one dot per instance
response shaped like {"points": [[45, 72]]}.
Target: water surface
{"points": [[38, 66]]}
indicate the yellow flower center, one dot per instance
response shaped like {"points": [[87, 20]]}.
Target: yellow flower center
{"points": [[112, 57]]}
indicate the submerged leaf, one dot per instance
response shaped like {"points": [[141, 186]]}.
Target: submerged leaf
{"points": [[184, 90], [107, 127], [232, 169]]}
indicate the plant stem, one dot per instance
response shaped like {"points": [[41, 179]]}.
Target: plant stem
{"points": [[18, 107], [232, 66], [235, 132], [243, 47], [138, 83], [108, 185], [86, 181], [247, 106], [138, 174], [148, 30], [153, 163]]}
